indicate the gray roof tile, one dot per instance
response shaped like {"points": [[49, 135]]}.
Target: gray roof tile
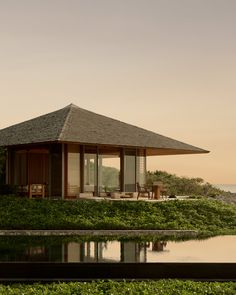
{"points": [[73, 124]]}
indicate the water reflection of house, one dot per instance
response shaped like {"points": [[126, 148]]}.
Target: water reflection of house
{"points": [[51, 253], [83, 252], [90, 251], [133, 252], [37, 253], [158, 246], [109, 252]]}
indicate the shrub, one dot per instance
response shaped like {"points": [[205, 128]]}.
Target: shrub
{"points": [[8, 189], [167, 287], [200, 214]]}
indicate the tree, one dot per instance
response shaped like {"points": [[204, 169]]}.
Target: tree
{"points": [[183, 185]]}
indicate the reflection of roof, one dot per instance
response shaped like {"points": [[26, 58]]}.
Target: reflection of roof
{"points": [[73, 124]]}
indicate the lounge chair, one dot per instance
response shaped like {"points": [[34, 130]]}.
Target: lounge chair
{"points": [[144, 190]]}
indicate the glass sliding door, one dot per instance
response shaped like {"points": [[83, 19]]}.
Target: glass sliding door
{"points": [[109, 170], [38, 165], [141, 167], [73, 170], [55, 170], [90, 170], [130, 171], [31, 166], [20, 169]]}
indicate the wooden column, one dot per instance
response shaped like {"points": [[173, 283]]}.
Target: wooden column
{"points": [[49, 172], [82, 168], [63, 171], [96, 191], [7, 167], [122, 170]]}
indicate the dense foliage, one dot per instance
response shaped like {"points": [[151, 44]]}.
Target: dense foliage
{"points": [[165, 287], [203, 215], [184, 186]]}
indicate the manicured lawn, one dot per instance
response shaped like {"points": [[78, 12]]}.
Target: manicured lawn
{"points": [[207, 216], [165, 287]]}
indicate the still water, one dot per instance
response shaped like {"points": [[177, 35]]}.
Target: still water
{"points": [[216, 249]]}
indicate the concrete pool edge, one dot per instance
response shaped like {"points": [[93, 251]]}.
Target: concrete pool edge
{"points": [[138, 232], [25, 272]]}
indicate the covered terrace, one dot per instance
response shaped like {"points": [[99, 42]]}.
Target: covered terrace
{"points": [[76, 153]]}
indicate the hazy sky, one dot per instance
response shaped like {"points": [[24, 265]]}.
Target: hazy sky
{"points": [[165, 65]]}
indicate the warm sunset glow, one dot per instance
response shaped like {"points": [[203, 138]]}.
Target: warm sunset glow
{"points": [[166, 66]]}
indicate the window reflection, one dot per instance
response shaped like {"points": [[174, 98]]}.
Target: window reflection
{"points": [[109, 170], [141, 167], [89, 251], [130, 171], [90, 170], [73, 170]]}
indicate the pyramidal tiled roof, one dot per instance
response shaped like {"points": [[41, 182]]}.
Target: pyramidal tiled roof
{"points": [[77, 125]]}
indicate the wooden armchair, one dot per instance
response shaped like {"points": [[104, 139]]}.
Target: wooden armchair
{"points": [[142, 190], [37, 190], [23, 190]]}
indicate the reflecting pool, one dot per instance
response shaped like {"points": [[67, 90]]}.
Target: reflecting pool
{"points": [[216, 249]]}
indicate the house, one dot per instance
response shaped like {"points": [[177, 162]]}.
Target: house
{"points": [[74, 152]]}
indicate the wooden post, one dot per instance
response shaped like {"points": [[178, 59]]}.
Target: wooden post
{"points": [[7, 167], [82, 168], [49, 172], [63, 171], [122, 170]]}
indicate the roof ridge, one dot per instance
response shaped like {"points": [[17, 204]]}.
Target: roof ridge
{"points": [[70, 106]]}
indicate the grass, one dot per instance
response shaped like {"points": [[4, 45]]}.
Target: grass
{"points": [[165, 287], [206, 216]]}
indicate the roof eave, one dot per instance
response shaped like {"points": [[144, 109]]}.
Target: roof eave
{"points": [[150, 151], [171, 151]]}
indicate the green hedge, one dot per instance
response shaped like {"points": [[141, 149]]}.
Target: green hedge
{"points": [[203, 215], [7, 189], [165, 287], [185, 186]]}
